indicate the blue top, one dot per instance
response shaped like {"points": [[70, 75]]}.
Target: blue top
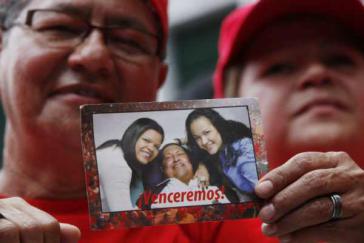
{"points": [[244, 173]]}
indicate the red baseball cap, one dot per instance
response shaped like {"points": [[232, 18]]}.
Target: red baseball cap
{"points": [[161, 7], [240, 26]]}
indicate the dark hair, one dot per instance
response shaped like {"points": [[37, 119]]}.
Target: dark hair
{"points": [[129, 139], [127, 145], [10, 10], [193, 161], [229, 130]]}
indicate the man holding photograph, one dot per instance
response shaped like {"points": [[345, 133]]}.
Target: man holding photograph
{"points": [[304, 61], [55, 56]]}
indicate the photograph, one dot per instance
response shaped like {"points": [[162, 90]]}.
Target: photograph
{"points": [[172, 162]]}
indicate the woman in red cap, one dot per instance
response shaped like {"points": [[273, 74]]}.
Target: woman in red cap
{"points": [[304, 61]]}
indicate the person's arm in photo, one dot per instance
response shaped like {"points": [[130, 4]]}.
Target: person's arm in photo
{"points": [[202, 175], [247, 165], [115, 176]]}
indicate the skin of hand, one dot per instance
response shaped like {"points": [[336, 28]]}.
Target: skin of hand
{"points": [[24, 223], [298, 193], [203, 176]]}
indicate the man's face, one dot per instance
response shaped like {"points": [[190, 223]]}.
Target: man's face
{"points": [[309, 79], [176, 163], [42, 85]]}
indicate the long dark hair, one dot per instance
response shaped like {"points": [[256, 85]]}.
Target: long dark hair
{"points": [[229, 131], [128, 141]]}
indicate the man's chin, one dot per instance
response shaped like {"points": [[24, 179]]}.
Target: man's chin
{"points": [[322, 135]]}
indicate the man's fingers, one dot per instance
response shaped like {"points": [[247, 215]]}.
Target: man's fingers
{"points": [[315, 212], [16, 210], [21, 222], [9, 232], [47, 226], [279, 178], [314, 184], [69, 233]]}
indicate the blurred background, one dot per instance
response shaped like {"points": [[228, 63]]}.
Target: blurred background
{"points": [[192, 49]]}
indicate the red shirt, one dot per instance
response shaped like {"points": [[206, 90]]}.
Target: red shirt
{"points": [[75, 212]]}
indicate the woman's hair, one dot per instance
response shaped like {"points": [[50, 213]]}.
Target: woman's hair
{"points": [[229, 130], [131, 136], [129, 139], [9, 11]]}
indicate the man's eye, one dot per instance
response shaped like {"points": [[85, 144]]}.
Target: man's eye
{"points": [[279, 68], [340, 61], [129, 46], [60, 29]]}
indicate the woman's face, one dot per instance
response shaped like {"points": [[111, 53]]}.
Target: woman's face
{"points": [[147, 146], [206, 135]]}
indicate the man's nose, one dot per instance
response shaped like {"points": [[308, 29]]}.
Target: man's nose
{"points": [[315, 74], [175, 158], [92, 55]]}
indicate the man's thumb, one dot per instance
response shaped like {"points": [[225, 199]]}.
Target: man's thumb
{"points": [[69, 233]]}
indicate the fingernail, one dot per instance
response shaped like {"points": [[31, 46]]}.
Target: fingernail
{"points": [[269, 229], [267, 212], [264, 188], [285, 239]]}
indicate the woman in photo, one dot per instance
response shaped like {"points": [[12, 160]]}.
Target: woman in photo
{"points": [[122, 165], [226, 148]]}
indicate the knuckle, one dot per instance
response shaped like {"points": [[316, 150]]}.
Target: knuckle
{"points": [[51, 228], [31, 228], [315, 181], [9, 232], [304, 163], [338, 157], [280, 179], [322, 208], [281, 200], [16, 201], [51, 225]]}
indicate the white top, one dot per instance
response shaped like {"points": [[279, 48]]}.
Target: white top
{"points": [[115, 177]]}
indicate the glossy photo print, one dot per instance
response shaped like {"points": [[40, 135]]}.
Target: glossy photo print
{"points": [[172, 162]]}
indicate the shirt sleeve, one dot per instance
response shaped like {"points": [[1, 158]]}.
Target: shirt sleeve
{"points": [[115, 177], [247, 168]]}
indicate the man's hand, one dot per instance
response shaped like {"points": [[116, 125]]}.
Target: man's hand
{"points": [[21, 222], [299, 207]]}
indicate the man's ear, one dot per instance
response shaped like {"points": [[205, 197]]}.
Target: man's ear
{"points": [[162, 74]]}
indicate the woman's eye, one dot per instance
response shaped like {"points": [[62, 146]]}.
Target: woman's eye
{"points": [[279, 68], [206, 132]]}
